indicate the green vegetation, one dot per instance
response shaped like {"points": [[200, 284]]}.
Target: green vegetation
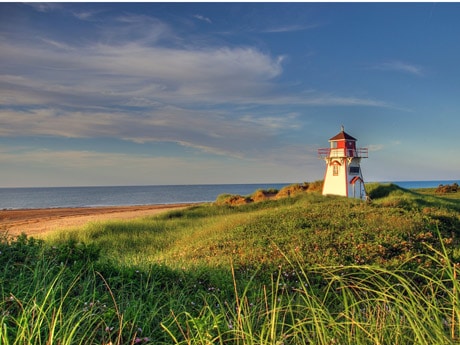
{"points": [[304, 269], [270, 194]]}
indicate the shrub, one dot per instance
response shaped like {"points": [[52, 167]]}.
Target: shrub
{"points": [[447, 189], [20, 250], [292, 190]]}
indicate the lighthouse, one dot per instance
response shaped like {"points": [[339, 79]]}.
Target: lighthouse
{"points": [[343, 170]]}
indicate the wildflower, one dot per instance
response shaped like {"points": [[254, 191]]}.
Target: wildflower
{"points": [[108, 329]]}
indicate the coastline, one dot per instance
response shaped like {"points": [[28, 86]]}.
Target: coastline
{"points": [[147, 201], [40, 221]]}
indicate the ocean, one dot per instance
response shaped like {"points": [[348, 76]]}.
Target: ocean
{"points": [[51, 197], [422, 184]]}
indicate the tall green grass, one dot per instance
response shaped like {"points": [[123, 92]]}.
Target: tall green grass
{"points": [[303, 270], [353, 304], [48, 301]]}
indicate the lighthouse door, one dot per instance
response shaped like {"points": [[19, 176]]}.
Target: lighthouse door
{"points": [[358, 188]]}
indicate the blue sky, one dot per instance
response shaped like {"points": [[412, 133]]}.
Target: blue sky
{"points": [[186, 93]]}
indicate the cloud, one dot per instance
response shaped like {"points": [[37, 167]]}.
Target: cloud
{"points": [[204, 131], [399, 66], [315, 98], [85, 15], [77, 167], [218, 74], [76, 159], [289, 28], [136, 81], [45, 6], [55, 44], [284, 122], [202, 18], [375, 147]]}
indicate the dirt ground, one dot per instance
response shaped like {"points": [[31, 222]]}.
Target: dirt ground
{"points": [[38, 222]]}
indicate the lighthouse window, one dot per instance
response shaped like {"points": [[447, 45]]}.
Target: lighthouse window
{"points": [[335, 169], [354, 170]]}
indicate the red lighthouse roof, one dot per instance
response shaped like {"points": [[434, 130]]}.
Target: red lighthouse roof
{"points": [[342, 136]]}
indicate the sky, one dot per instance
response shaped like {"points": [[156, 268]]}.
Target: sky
{"points": [[211, 93]]}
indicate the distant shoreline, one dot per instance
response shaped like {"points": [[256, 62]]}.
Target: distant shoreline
{"points": [[91, 198], [102, 207], [39, 221]]}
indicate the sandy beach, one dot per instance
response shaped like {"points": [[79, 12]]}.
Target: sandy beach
{"points": [[36, 222]]}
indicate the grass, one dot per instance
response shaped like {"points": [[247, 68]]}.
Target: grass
{"points": [[326, 230], [302, 270]]}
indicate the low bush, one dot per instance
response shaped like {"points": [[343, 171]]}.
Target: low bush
{"points": [[447, 189]]}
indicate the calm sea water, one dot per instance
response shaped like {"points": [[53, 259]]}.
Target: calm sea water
{"points": [[20, 198], [423, 184]]}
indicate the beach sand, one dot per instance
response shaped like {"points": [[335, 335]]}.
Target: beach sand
{"points": [[38, 222]]}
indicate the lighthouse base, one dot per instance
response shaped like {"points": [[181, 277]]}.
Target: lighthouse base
{"points": [[353, 189]]}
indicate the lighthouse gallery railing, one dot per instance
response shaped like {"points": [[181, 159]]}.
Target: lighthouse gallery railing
{"points": [[361, 152]]}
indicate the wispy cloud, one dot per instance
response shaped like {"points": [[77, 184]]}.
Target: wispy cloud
{"points": [[400, 66], [45, 6], [289, 28], [283, 122], [85, 15], [375, 147], [78, 167], [203, 18], [135, 80], [84, 167], [56, 44], [138, 70]]}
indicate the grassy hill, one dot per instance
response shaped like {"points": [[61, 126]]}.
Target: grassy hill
{"points": [[397, 225], [301, 269]]}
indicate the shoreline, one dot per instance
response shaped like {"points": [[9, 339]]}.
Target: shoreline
{"points": [[41, 221], [163, 205]]}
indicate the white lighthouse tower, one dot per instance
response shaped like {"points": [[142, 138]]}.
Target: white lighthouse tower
{"points": [[343, 171]]}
